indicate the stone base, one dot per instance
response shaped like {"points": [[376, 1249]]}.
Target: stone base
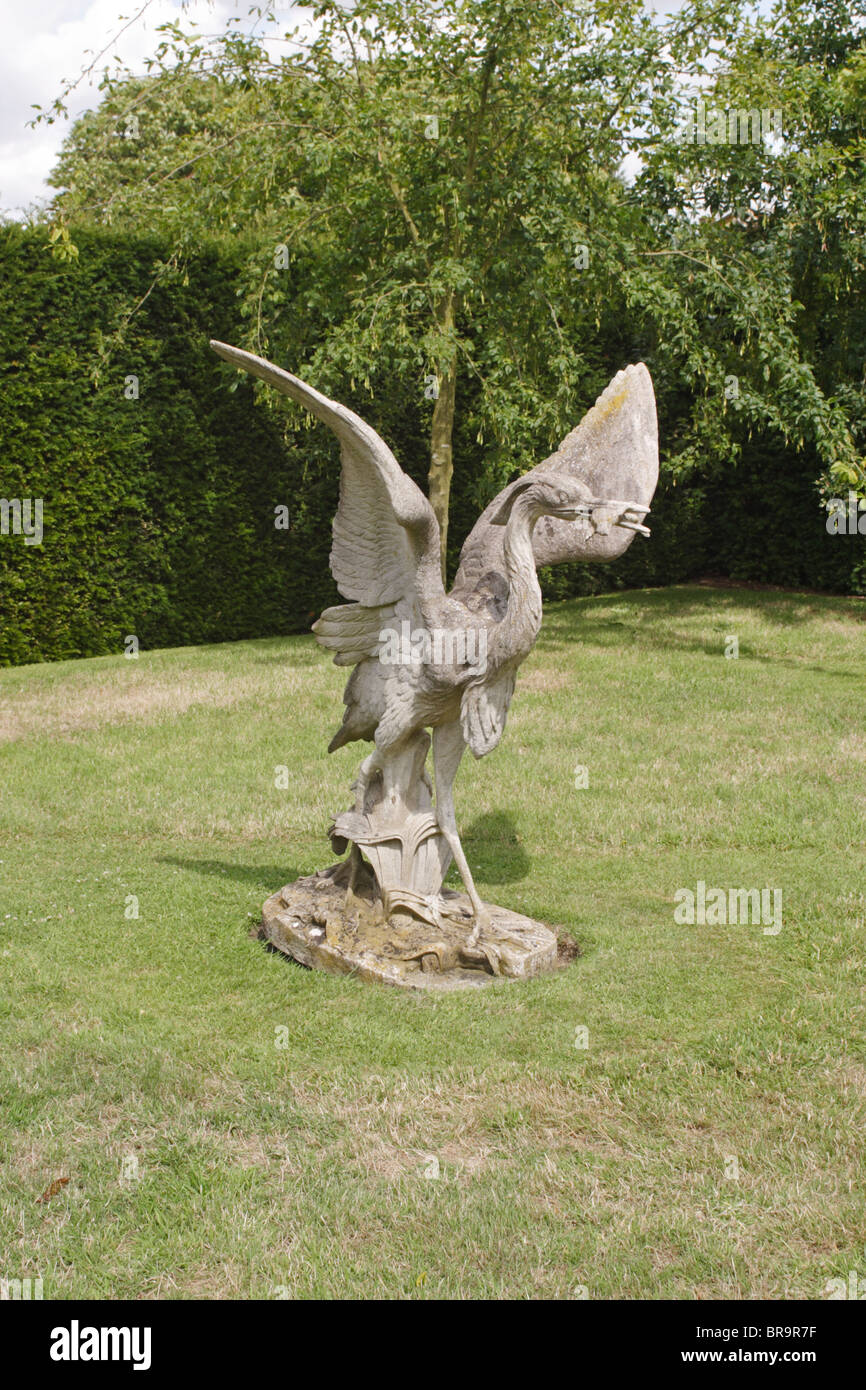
{"points": [[321, 923]]}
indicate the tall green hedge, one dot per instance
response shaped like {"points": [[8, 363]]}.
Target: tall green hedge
{"points": [[159, 511]]}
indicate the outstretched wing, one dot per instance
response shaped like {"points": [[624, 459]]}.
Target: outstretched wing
{"points": [[386, 548], [614, 451]]}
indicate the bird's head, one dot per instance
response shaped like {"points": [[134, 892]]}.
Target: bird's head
{"points": [[545, 493]]}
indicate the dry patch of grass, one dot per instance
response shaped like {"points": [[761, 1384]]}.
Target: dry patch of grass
{"points": [[540, 679], [133, 693], [470, 1122]]}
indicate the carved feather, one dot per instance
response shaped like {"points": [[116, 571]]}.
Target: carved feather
{"points": [[352, 631], [484, 710]]}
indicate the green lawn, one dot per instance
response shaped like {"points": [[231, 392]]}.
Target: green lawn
{"points": [[707, 1143]]}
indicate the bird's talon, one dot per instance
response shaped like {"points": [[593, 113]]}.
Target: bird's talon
{"points": [[482, 923]]}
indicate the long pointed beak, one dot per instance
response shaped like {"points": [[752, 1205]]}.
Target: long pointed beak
{"points": [[628, 515]]}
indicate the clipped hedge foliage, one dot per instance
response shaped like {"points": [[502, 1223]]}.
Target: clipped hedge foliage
{"points": [[160, 508]]}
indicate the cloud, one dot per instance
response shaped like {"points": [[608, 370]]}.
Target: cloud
{"points": [[47, 44]]}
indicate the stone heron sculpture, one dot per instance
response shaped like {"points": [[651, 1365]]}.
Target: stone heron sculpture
{"points": [[424, 659]]}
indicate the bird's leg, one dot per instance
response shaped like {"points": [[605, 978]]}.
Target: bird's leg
{"points": [[448, 749], [372, 763], [355, 862]]}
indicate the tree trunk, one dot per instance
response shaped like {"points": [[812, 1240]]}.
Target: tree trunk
{"points": [[442, 431]]}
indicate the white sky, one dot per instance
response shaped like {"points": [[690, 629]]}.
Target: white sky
{"points": [[46, 43]]}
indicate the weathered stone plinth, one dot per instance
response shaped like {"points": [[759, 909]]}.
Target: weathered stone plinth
{"points": [[321, 922]]}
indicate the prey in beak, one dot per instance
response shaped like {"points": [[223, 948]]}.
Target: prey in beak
{"points": [[606, 513]]}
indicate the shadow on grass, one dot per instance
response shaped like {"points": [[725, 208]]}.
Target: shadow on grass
{"points": [[491, 841], [269, 876], [494, 850]]}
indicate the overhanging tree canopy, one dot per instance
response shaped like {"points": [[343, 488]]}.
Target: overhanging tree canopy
{"points": [[440, 183]]}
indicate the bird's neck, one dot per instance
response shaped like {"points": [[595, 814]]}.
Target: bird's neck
{"points": [[516, 633]]}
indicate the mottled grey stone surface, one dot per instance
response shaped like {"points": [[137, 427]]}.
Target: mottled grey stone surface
{"points": [[423, 659]]}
